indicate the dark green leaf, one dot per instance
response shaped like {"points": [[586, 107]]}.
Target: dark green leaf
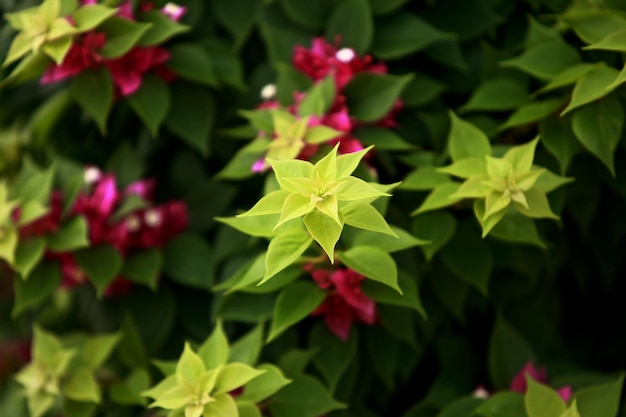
{"points": [[193, 63], [352, 21], [294, 304], [100, 263], [508, 353], [143, 267], [93, 90], [151, 102], [187, 260], [371, 96], [44, 279]]}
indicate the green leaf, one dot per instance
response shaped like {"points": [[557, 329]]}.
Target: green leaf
{"points": [[57, 49], [365, 216], [371, 96], [304, 397], [613, 42], [408, 299], [382, 139], [593, 85], [567, 77], [127, 392], [497, 94], [237, 17], [514, 227], [463, 407], [101, 264], [27, 254], [422, 90], [122, 35], [97, 349], [599, 128], [311, 15], [151, 102], [261, 226], [224, 405], [470, 258], [502, 404], [190, 366], [466, 140], [284, 250], [403, 34], [214, 351], [87, 18], [439, 197], [82, 386], [93, 90], [318, 98], [191, 116], [401, 241], [265, 385], [335, 355], [508, 353], [594, 25], [192, 62], [600, 400], [542, 401], [162, 28], [572, 411], [438, 228], [248, 348], [373, 263], [293, 304], [423, 179], [227, 63], [352, 21], [324, 230], [465, 168], [532, 113], [71, 236], [144, 267], [235, 375], [538, 205], [246, 409], [558, 137], [187, 259], [545, 60], [78, 408]]}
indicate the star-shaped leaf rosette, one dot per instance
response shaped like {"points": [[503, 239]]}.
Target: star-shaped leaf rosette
{"points": [[314, 203], [204, 382], [506, 190]]}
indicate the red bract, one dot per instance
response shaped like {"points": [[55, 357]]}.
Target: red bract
{"points": [[155, 226], [323, 59], [519, 384], [345, 302], [128, 70], [83, 55]]}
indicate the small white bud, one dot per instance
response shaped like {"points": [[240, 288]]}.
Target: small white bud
{"points": [[345, 55], [91, 175], [133, 223], [481, 392], [268, 92], [152, 218]]}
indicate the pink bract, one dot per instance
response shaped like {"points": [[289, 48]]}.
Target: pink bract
{"points": [[345, 302], [519, 384]]}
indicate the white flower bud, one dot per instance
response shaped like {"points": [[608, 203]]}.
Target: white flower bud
{"points": [[152, 218], [268, 92], [91, 175], [345, 55], [133, 223]]}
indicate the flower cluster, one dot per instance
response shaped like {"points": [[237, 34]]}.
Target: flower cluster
{"points": [[127, 71], [324, 60], [519, 384], [345, 302], [146, 226]]}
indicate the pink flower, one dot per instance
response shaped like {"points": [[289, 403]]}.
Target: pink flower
{"points": [[153, 227], [97, 208], [83, 54], [174, 11], [323, 59], [128, 70], [71, 274], [519, 384], [125, 10], [143, 188], [345, 302]]}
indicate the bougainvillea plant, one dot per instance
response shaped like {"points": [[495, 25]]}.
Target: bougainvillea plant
{"points": [[332, 208]]}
